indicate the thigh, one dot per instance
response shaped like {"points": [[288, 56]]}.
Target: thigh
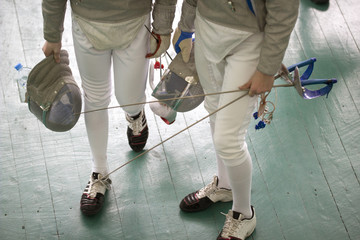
{"points": [[94, 67], [240, 66], [130, 71], [210, 75]]}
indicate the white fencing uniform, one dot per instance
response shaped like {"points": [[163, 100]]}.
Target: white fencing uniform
{"points": [[130, 74], [224, 65]]}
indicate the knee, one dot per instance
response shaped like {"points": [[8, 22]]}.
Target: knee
{"points": [[231, 149], [96, 96], [93, 103], [132, 105]]}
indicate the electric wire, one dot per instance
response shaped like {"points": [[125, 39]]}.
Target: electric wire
{"points": [[172, 136]]}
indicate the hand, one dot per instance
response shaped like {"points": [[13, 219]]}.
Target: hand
{"points": [[259, 83], [52, 48], [182, 42], [158, 45]]}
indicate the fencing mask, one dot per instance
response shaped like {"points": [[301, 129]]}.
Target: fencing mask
{"points": [[53, 95], [179, 80]]}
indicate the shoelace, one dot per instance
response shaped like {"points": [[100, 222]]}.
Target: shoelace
{"points": [[97, 185], [167, 139], [208, 189], [230, 226], [137, 124]]}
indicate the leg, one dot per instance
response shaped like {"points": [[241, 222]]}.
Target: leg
{"points": [[229, 137], [130, 75], [213, 74], [229, 131], [232, 122], [219, 188], [94, 67], [130, 72], [228, 64]]}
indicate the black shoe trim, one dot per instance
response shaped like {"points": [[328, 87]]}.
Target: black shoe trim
{"points": [[91, 206], [219, 237], [191, 203], [138, 142]]}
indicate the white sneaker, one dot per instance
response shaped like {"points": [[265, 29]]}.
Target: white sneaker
{"points": [[205, 197], [236, 228], [137, 131], [93, 196]]}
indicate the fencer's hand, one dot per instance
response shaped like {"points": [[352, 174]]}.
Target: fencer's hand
{"points": [[182, 42], [258, 83], [158, 45], [52, 48]]}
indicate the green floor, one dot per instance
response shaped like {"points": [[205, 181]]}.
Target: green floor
{"points": [[306, 163]]}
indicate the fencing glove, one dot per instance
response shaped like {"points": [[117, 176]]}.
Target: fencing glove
{"points": [[182, 42], [158, 45]]}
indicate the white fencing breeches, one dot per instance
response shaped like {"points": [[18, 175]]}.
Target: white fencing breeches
{"points": [[130, 73], [226, 59]]}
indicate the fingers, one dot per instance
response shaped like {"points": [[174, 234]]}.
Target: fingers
{"points": [[253, 91], [247, 86], [52, 48], [259, 83], [57, 56], [186, 46], [252, 94]]}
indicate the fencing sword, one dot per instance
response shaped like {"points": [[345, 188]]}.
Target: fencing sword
{"points": [[299, 82], [296, 81]]}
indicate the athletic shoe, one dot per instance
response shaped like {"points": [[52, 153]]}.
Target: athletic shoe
{"points": [[137, 131], [93, 197], [205, 197], [236, 228]]}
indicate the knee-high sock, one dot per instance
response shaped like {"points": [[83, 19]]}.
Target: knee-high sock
{"points": [[240, 181], [221, 170], [97, 124]]}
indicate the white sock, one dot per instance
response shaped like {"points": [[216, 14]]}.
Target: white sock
{"points": [[222, 175], [97, 129], [240, 181], [221, 170]]}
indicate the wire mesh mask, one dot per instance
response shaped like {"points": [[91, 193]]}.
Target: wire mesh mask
{"points": [[180, 80], [53, 95]]}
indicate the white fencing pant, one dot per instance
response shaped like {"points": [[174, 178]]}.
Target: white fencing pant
{"points": [[226, 59], [130, 73]]}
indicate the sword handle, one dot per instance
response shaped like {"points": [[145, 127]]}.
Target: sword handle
{"points": [[318, 81], [301, 64]]}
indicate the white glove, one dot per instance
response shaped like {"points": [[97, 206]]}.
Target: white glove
{"points": [[158, 45]]}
